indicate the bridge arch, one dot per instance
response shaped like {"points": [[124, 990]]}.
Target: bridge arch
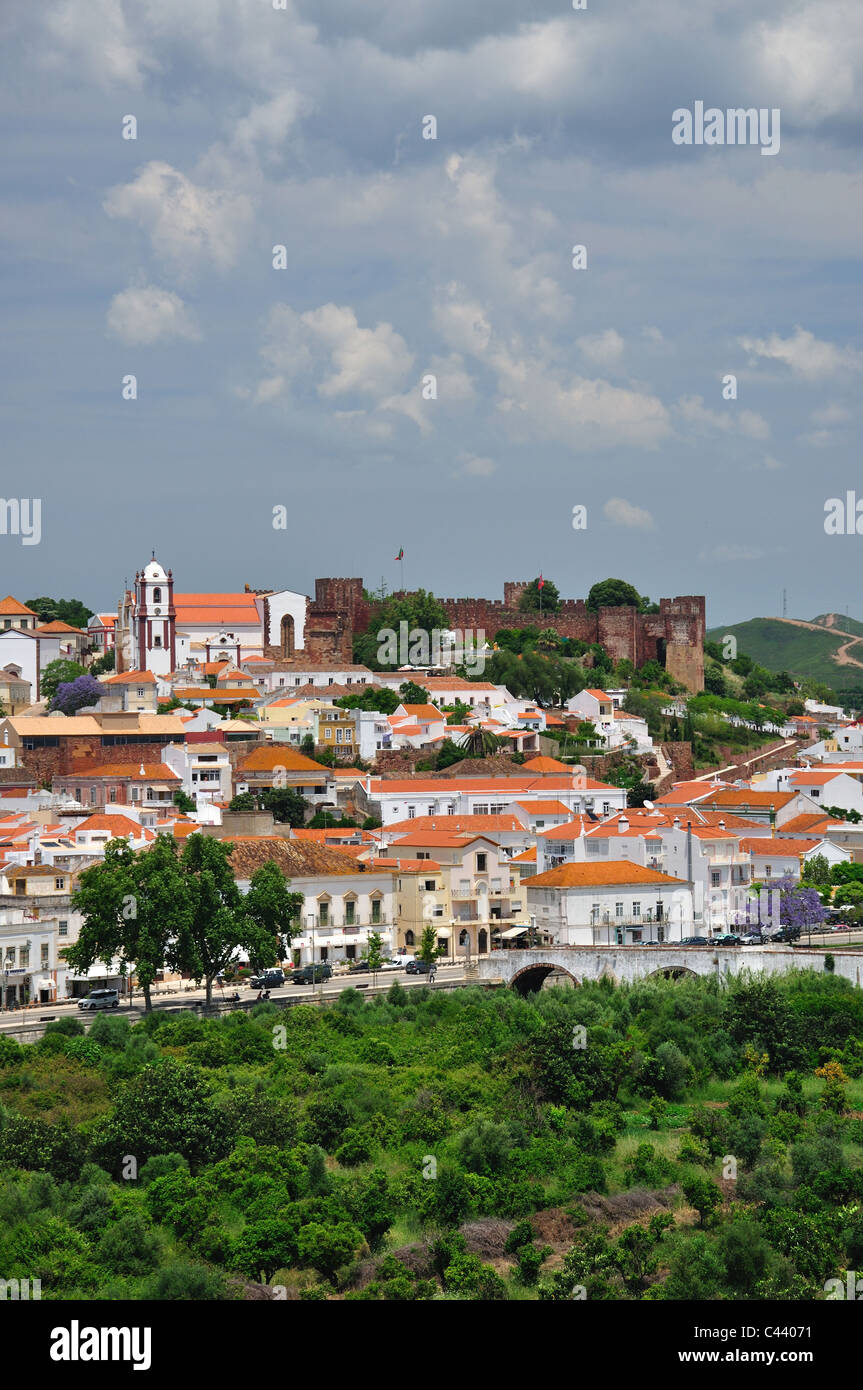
{"points": [[674, 972], [531, 978]]}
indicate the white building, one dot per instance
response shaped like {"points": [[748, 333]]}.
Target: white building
{"points": [[614, 903]]}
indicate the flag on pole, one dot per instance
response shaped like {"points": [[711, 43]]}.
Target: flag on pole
{"points": [[540, 581], [401, 553]]}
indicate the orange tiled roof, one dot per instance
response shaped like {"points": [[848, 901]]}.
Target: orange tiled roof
{"points": [[615, 872], [777, 848], [10, 606]]}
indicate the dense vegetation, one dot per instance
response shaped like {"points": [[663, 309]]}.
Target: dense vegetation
{"points": [[667, 1140]]}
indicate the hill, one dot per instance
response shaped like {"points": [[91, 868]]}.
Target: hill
{"points": [[821, 650]]}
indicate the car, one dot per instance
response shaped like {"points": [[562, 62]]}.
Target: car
{"points": [[358, 967], [415, 966], [728, 939], [393, 964], [752, 938], [692, 941], [308, 974], [268, 979], [100, 999]]}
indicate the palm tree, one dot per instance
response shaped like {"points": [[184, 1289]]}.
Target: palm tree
{"points": [[480, 743]]}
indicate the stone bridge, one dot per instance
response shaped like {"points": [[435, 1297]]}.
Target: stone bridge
{"points": [[527, 970]]}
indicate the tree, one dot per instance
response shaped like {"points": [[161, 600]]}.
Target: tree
{"points": [[429, 950], [613, 593], [104, 663], [165, 1109], [448, 753], [70, 696], [714, 681], [58, 672], [413, 694], [377, 699], [183, 802], [64, 610], [420, 610], [273, 910], [479, 743], [702, 1194], [458, 713], [375, 954], [218, 922], [817, 870], [133, 905], [799, 906], [327, 1248], [534, 598], [284, 804]]}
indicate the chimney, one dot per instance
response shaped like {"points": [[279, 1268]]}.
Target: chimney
{"points": [[676, 822], [622, 825]]}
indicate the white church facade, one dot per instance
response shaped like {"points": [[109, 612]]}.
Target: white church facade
{"points": [[162, 631]]}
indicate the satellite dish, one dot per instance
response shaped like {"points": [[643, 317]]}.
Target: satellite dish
{"points": [[648, 804]]}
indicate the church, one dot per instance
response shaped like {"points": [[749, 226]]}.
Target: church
{"points": [[162, 631]]}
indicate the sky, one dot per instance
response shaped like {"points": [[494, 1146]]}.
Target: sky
{"points": [[429, 370]]}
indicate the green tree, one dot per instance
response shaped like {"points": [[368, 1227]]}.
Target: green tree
{"points": [[133, 905], [218, 922], [375, 954], [183, 802], [328, 1248], [479, 743], [105, 663], [613, 593], [702, 1194], [533, 599], [429, 950], [58, 673], [413, 694]]}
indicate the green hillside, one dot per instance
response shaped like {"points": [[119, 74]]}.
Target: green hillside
{"points": [[781, 644], [839, 622]]}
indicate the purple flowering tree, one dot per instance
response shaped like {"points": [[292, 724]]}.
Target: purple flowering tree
{"points": [[800, 907], [74, 695]]}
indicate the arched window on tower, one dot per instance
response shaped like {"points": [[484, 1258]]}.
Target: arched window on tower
{"points": [[157, 595]]}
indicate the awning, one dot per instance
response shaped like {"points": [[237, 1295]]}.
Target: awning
{"points": [[45, 984], [445, 932], [513, 931]]}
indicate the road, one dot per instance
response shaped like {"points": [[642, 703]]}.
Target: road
{"points": [[14, 1021]]}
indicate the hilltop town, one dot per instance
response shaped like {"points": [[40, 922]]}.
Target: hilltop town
{"points": [[560, 776]]}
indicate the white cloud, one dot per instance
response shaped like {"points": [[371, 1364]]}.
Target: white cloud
{"points": [[623, 513], [476, 467], [373, 361], [95, 37], [189, 226], [832, 414], [462, 322], [806, 355], [747, 422], [148, 314], [603, 348]]}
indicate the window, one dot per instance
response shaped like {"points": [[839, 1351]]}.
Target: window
{"points": [[140, 689], [430, 885], [324, 914], [157, 641], [618, 909], [23, 956], [112, 793], [412, 810], [376, 911], [63, 928], [409, 938], [338, 735], [480, 809], [636, 909], [481, 862], [431, 809], [450, 810], [59, 884], [714, 880], [497, 808], [157, 595], [350, 913], [44, 953], [606, 808], [767, 870]]}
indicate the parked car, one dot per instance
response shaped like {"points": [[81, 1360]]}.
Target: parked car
{"points": [[394, 964], [308, 974], [358, 967], [100, 999], [752, 938], [728, 939], [692, 941], [268, 979], [415, 966]]}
